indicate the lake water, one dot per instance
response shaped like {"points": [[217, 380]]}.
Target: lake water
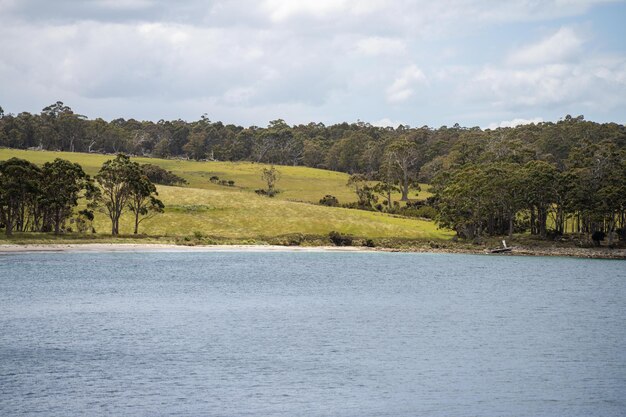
{"points": [[316, 334]]}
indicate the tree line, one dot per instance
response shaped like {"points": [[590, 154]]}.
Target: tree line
{"points": [[347, 147], [44, 199]]}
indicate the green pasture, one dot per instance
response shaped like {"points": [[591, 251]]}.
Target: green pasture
{"points": [[296, 183], [240, 214], [237, 212]]}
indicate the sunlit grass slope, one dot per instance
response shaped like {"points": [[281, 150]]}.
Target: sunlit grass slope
{"points": [[242, 214], [237, 212], [296, 183]]}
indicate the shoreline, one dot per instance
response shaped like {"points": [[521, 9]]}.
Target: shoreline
{"points": [[585, 253], [161, 247]]}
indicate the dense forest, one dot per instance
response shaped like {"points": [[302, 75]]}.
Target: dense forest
{"points": [[548, 178]]}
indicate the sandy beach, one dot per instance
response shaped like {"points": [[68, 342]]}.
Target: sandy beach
{"points": [[132, 247], [597, 253]]}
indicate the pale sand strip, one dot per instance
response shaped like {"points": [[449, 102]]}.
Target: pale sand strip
{"points": [[602, 253], [133, 247]]}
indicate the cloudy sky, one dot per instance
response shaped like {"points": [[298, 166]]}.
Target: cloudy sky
{"points": [[475, 62]]}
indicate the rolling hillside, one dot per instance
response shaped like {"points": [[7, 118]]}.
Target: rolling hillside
{"points": [[205, 209]]}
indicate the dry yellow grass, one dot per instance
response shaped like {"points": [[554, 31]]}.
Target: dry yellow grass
{"points": [[237, 212]]}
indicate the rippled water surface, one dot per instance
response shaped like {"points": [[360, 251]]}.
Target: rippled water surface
{"points": [[332, 334]]}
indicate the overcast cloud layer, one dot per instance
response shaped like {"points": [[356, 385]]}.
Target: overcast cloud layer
{"points": [[475, 62]]}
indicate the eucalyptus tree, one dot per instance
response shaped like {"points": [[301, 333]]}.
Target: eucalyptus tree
{"points": [[142, 201], [540, 182], [196, 147], [20, 182], [63, 184], [124, 186], [405, 155], [270, 176], [364, 191]]}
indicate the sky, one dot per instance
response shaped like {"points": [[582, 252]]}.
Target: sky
{"points": [[484, 63]]}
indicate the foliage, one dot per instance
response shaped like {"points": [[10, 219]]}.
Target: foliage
{"points": [[158, 175], [20, 186], [347, 147], [329, 200], [60, 190], [339, 239], [124, 186], [597, 237], [271, 176], [364, 191], [142, 201], [41, 199], [403, 155], [588, 194]]}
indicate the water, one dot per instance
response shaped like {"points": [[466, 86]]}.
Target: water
{"points": [[319, 334]]}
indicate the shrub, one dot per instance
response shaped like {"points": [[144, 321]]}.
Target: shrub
{"points": [[355, 205], [158, 175], [295, 239], [329, 200], [231, 183], [422, 210], [369, 243], [214, 179], [426, 212], [414, 204], [339, 239], [597, 237], [271, 193]]}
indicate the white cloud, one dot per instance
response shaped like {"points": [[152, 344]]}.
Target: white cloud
{"points": [[554, 73], [280, 10], [515, 122], [123, 4], [375, 45], [558, 47], [387, 122], [404, 85], [598, 82]]}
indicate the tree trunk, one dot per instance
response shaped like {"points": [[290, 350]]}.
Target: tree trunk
{"points": [[57, 221], [115, 226], [542, 217], [136, 222], [511, 226], [9, 224], [405, 187]]}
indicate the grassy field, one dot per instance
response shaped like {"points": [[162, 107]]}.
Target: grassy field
{"points": [[206, 209], [296, 183]]}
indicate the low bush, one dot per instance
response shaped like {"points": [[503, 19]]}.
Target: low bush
{"points": [[329, 200], [339, 239], [266, 193], [369, 243], [597, 237], [158, 175]]}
